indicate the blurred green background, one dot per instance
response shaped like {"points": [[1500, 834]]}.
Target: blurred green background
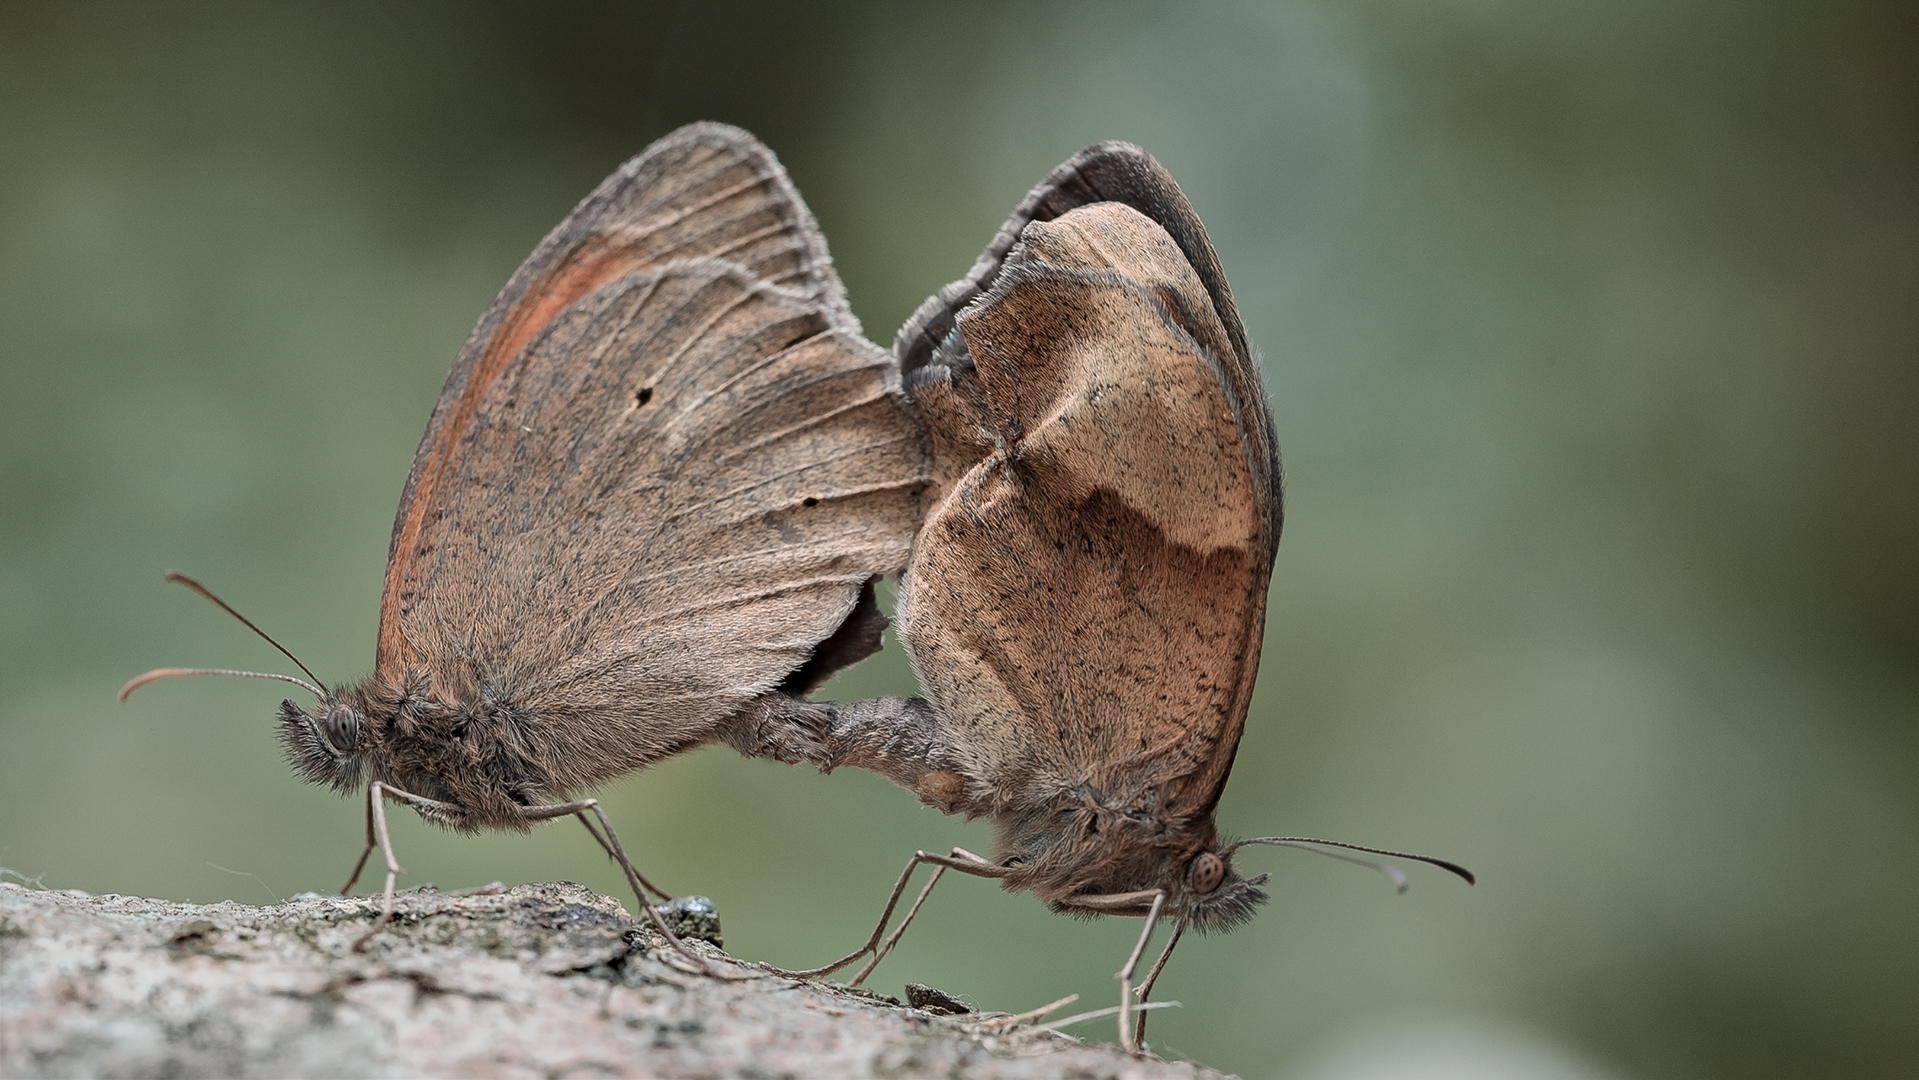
{"points": [[1590, 331]]}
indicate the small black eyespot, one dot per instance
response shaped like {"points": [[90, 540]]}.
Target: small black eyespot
{"points": [[341, 727], [645, 395], [809, 501], [1208, 871]]}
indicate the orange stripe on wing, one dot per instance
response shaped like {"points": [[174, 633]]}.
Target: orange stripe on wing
{"points": [[590, 266]]}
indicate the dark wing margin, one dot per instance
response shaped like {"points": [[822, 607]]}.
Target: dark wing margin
{"points": [[705, 190]]}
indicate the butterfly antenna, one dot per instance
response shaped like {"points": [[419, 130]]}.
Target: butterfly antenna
{"points": [[1320, 847], [177, 576], [168, 673], [173, 672]]}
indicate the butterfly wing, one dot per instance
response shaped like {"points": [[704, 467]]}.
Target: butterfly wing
{"points": [[663, 470], [1126, 513], [1124, 173]]}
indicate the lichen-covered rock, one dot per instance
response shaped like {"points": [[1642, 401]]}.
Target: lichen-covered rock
{"points": [[541, 980]]}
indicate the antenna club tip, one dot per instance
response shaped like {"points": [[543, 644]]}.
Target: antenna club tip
{"points": [[138, 681]]}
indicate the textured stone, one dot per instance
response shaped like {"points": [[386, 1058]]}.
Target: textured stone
{"points": [[548, 980]]}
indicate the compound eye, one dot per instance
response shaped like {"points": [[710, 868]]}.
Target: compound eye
{"points": [[341, 726], [1208, 871]]}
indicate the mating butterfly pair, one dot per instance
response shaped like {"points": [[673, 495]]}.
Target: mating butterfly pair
{"points": [[666, 471]]}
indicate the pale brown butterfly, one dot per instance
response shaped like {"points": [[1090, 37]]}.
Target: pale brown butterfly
{"points": [[654, 495]]}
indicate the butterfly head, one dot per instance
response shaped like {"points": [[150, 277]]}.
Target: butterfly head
{"points": [[1211, 894], [453, 761], [324, 741], [1091, 858]]}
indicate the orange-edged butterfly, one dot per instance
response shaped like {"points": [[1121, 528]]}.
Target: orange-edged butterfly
{"points": [[655, 492], [1085, 602]]}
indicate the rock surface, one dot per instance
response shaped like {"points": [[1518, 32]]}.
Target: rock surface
{"points": [[542, 980]]}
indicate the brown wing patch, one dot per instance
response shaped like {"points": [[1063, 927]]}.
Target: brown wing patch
{"points": [[1086, 603], [1124, 174]]}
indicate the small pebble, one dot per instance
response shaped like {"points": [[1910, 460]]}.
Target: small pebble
{"points": [[934, 1000]]}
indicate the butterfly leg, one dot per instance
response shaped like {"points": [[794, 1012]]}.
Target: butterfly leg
{"points": [[886, 916], [1146, 988], [1126, 1040], [371, 842], [894, 938], [611, 842], [376, 829], [962, 860], [611, 854], [376, 834]]}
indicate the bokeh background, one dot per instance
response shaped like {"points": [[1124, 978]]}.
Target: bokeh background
{"points": [[1590, 331]]}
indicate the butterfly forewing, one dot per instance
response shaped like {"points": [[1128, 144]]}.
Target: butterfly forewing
{"points": [[663, 472], [665, 503], [705, 191]]}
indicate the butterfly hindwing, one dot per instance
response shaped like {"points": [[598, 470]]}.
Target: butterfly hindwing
{"points": [[1117, 172], [1089, 595]]}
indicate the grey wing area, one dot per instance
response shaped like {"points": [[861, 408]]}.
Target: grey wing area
{"points": [[667, 501], [708, 191], [703, 191], [1118, 172]]}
